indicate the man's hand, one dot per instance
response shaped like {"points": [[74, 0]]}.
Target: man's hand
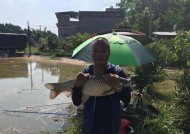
{"points": [[81, 79], [112, 80]]}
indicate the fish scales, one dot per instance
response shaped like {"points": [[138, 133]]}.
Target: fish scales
{"points": [[93, 87]]}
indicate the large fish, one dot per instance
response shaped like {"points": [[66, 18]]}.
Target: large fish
{"points": [[94, 86]]}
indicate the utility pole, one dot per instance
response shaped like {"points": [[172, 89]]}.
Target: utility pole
{"points": [[29, 44], [150, 18], [40, 27], [44, 31], [150, 25]]}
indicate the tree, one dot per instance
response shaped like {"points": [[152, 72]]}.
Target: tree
{"points": [[9, 28], [181, 48], [155, 15], [184, 23], [42, 44], [75, 40]]}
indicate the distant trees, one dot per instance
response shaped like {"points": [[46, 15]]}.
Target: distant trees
{"points": [[156, 15], [46, 41], [10, 28]]}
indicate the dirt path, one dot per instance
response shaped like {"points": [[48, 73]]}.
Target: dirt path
{"points": [[62, 59]]}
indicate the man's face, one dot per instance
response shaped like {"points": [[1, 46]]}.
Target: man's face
{"points": [[100, 53]]}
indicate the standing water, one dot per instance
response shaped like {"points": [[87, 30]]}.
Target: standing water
{"points": [[25, 106]]}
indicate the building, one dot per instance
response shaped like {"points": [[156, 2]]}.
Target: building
{"points": [[165, 35], [69, 23]]}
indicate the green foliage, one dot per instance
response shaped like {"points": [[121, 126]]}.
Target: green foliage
{"points": [[53, 41], [35, 34], [135, 15], [175, 115], [149, 73], [49, 43], [184, 23], [155, 15], [43, 40], [169, 52], [174, 51], [162, 48], [165, 123], [184, 82], [183, 93], [181, 48], [183, 99], [42, 44], [10, 28], [74, 127], [153, 72], [74, 41]]}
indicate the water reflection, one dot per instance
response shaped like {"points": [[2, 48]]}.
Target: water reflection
{"points": [[13, 69], [22, 89]]}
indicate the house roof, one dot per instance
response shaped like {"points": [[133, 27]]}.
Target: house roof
{"points": [[165, 33]]}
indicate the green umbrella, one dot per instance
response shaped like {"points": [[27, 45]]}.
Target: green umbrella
{"points": [[139, 36], [124, 50]]}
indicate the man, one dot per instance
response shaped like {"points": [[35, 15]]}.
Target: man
{"points": [[101, 115]]}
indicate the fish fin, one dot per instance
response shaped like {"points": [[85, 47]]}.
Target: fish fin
{"points": [[49, 86], [108, 91], [85, 98], [53, 94], [68, 94]]}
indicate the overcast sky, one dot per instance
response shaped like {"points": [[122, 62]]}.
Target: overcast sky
{"points": [[42, 12]]}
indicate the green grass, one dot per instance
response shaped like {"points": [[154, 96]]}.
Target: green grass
{"points": [[52, 54], [163, 96]]}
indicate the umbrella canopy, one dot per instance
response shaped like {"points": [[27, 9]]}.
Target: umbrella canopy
{"points": [[143, 39], [124, 50], [139, 36]]}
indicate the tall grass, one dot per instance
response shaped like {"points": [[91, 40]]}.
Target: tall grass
{"points": [[166, 122], [172, 99]]}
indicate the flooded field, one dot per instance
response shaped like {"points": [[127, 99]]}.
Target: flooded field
{"points": [[25, 106]]}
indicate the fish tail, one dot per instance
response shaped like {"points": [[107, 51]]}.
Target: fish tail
{"points": [[69, 94], [53, 93], [57, 88], [49, 86]]}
